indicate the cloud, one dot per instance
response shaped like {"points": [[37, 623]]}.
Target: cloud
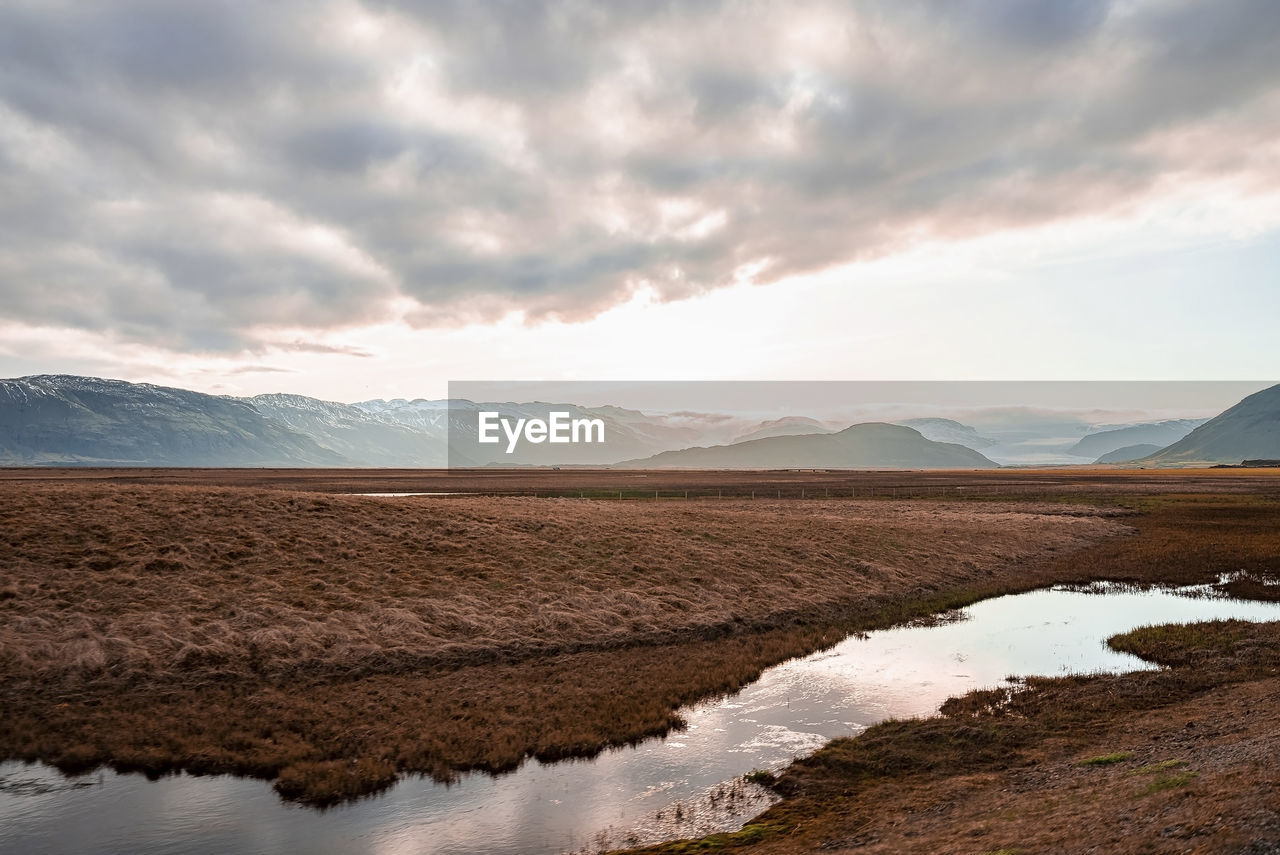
{"points": [[324, 349], [193, 176]]}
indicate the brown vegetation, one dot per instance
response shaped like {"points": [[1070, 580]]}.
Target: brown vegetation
{"points": [[1083, 481], [133, 585], [334, 642]]}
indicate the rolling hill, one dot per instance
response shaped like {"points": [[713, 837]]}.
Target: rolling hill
{"points": [[785, 426], [872, 445], [1128, 453]]}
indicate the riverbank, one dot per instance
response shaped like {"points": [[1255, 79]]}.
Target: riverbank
{"points": [[1153, 762]]}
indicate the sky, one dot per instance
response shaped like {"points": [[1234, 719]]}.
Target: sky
{"points": [[370, 199]]}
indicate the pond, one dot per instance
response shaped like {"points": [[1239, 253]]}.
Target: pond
{"points": [[689, 783]]}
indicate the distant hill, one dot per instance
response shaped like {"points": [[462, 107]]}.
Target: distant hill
{"points": [[58, 419], [785, 426], [872, 445], [1128, 453], [1158, 434], [948, 430], [1249, 430]]}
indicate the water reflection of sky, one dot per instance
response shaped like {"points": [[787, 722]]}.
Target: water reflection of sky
{"points": [[791, 710]]}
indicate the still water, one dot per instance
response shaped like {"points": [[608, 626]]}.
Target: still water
{"points": [[688, 783]]}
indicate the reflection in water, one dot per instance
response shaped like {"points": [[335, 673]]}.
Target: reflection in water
{"points": [[686, 784]]}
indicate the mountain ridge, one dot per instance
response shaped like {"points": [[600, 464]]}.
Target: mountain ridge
{"points": [[1248, 430], [64, 419], [1159, 434]]}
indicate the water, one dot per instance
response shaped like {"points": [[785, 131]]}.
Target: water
{"points": [[626, 795]]}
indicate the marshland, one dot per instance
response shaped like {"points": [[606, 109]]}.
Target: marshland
{"points": [[275, 625]]}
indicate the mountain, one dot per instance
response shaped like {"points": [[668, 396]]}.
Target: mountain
{"points": [[363, 438], [421, 414], [1128, 453], [1153, 433], [1249, 430], [947, 430], [872, 445], [785, 426], [68, 420]]}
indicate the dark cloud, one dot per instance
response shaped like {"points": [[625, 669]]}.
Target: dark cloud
{"points": [[197, 175], [1025, 24]]}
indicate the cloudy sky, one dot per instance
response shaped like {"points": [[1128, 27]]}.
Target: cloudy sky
{"points": [[360, 199]]}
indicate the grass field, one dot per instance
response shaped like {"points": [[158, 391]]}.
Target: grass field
{"points": [[670, 484], [331, 643]]}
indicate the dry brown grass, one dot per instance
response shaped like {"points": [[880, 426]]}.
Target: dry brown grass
{"points": [[170, 583], [334, 642], [312, 736], [706, 484]]}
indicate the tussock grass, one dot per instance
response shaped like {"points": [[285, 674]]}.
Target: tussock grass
{"points": [[1177, 645], [1107, 759], [1243, 586], [1168, 782], [1157, 768]]}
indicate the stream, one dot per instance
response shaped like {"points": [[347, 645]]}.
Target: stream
{"points": [[687, 784]]}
